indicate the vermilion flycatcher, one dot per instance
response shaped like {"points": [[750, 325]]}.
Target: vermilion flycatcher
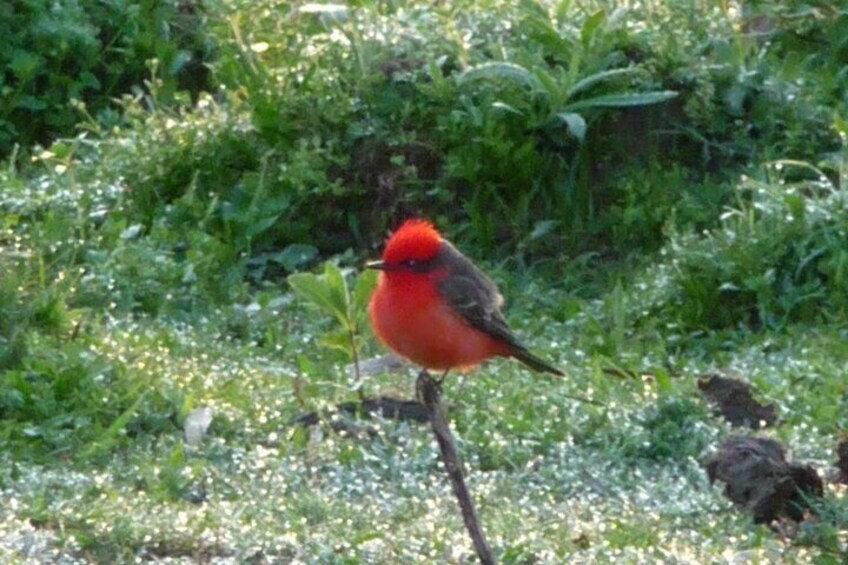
{"points": [[435, 308]]}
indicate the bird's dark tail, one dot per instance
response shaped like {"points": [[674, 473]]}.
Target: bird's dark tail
{"points": [[534, 362]]}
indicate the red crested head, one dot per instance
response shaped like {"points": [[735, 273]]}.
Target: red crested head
{"points": [[415, 239]]}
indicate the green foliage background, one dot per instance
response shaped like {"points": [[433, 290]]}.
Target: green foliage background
{"points": [[55, 53]]}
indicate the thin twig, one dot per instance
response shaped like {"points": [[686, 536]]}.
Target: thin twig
{"points": [[351, 335], [430, 394], [355, 354]]}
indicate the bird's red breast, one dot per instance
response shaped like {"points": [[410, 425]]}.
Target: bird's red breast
{"points": [[410, 317]]}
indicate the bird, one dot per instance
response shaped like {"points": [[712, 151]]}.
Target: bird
{"points": [[435, 308]]}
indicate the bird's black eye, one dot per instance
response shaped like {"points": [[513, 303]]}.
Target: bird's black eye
{"points": [[411, 263]]}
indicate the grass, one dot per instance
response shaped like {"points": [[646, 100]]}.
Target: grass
{"points": [[555, 479]]}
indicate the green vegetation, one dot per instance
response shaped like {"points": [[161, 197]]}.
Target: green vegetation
{"points": [[658, 188], [57, 56]]}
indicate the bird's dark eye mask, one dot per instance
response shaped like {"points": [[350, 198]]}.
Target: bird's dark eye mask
{"points": [[410, 265]]}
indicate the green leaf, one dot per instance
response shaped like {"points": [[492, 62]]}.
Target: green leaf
{"points": [[563, 10], [295, 256], [841, 125], [316, 291], [538, 23], [110, 436], [132, 232], [362, 291], [439, 82], [31, 103], [506, 108], [550, 86], [62, 150], [24, 64], [337, 284], [575, 123], [89, 80], [499, 71], [664, 384], [592, 80], [590, 27], [621, 100], [258, 226], [543, 228], [338, 339]]}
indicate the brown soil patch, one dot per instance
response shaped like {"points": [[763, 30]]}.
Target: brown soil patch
{"points": [[733, 399]]}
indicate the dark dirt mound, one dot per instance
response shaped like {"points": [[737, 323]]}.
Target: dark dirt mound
{"points": [[842, 461], [759, 479], [733, 400]]}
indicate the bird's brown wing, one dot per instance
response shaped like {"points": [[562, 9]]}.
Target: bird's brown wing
{"points": [[475, 297]]}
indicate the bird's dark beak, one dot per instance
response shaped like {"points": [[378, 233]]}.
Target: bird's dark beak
{"points": [[377, 265]]}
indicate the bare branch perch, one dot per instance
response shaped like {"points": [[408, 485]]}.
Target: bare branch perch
{"points": [[430, 394]]}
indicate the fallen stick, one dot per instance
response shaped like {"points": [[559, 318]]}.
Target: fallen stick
{"points": [[430, 394]]}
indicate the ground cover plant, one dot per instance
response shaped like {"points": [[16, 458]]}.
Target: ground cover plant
{"points": [[658, 189]]}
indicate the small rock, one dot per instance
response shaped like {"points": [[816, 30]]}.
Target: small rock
{"points": [[759, 479], [196, 425]]}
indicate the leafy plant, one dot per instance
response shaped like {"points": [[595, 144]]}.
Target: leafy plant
{"points": [[330, 293], [561, 102], [673, 429], [778, 257]]}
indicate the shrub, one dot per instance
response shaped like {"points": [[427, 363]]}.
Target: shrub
{"points": [[529, 129], [55, 393], [778, 257], [57, 51], [365, 117]]}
